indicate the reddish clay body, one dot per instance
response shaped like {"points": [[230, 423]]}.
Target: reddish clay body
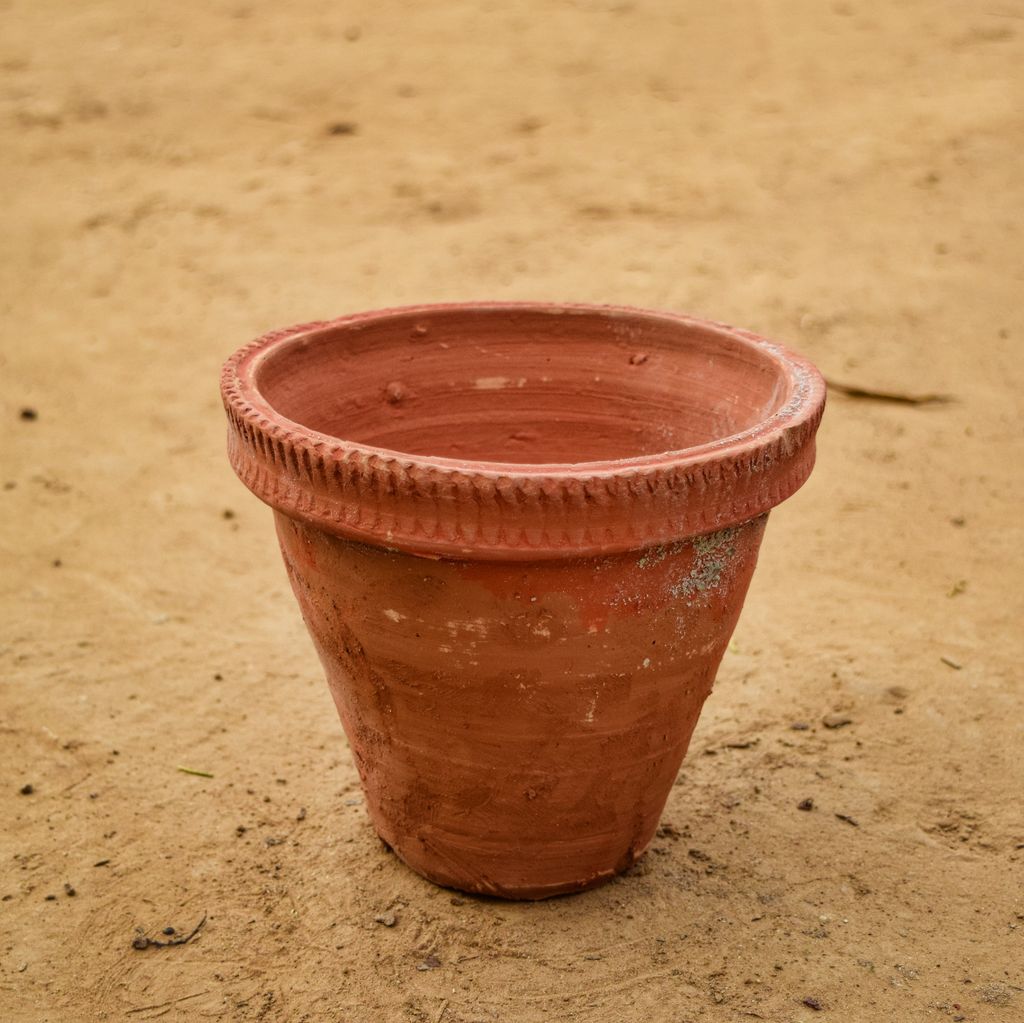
{"points": [[520, 537]]}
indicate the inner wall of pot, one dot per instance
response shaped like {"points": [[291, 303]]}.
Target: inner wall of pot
{"points": [[523, 386]]}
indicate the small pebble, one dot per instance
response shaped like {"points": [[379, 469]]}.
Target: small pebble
{"points": [[69, 890], [26, 790], [386, 919], [813, 1003], [836, 720], [168, 931], [799, 726], [430, 963], [805, 804], [29, 415]]}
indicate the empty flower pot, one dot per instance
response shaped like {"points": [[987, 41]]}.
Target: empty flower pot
{"points": [[520, 536]]}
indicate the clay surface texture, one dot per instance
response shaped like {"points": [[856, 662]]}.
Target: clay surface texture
{"points": [[520, 537]]}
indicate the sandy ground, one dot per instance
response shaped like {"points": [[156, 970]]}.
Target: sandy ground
{"points": [[180, 177]]}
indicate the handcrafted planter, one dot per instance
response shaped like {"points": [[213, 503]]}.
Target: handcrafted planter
{"points": [[520, 536]]}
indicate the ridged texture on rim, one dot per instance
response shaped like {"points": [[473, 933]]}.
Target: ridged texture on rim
{"points": [[443, 508]]}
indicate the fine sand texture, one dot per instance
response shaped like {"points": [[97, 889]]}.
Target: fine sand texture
{"points": [[845, 840]]}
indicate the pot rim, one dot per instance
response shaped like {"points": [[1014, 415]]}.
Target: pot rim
{"points": [[520, 510]]}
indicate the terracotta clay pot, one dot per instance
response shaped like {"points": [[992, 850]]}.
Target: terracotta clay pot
{"points": [[520, 536]]}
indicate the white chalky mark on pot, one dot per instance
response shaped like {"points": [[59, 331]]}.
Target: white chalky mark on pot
{"points": [[491, 383], [477, 627], [714, 555], [542, 631], [589, 716], [395, 616], [657, 554], [647, 662]]}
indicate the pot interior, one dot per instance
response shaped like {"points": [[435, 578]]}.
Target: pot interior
{"points": [[523, 385]]}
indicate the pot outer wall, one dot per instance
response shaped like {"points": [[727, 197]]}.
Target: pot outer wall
{"points": [[518, 726]]}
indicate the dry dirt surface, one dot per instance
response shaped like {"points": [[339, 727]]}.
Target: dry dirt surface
{"points": [[180, 177]]}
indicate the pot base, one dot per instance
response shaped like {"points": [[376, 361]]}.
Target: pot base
{"points": [[526, 893]]}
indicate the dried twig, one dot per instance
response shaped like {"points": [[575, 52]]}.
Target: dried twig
{"points": [[75, 784], [164, 1005], [893, 397], [140, 941], [198, 774]]}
